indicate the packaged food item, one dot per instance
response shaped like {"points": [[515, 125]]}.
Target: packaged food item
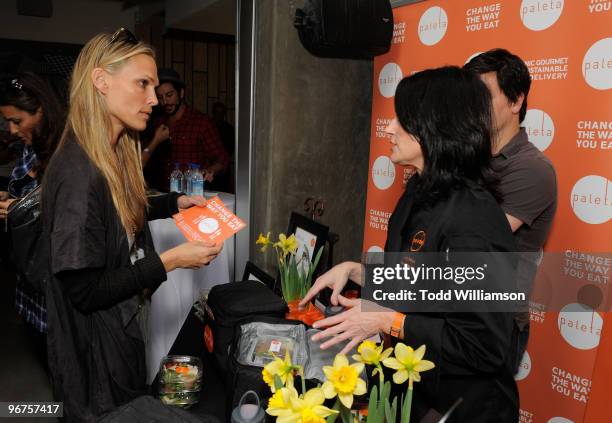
{"points": [[180, 380]]}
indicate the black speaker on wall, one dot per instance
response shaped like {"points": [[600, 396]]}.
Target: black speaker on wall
{"points": [[353, 29], [39, 8]]}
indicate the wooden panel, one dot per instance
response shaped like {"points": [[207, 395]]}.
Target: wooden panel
{"points": [[178, 50], [168, 53], [199, 56], [222, 69], [180, 68], [231, 77], [189, 71], [200, 92], [213, 69]]}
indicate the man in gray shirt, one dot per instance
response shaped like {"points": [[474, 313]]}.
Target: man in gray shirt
{"points": [[527, 180]]}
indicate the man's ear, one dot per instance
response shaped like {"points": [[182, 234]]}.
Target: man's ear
{"points": [[182, 93], [516, 106], [98, 77]]}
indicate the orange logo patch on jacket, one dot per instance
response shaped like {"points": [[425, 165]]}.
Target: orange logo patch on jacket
{"points": [[418, 240]]}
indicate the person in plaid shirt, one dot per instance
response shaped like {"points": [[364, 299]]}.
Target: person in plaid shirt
{"points": [[193, 136]]}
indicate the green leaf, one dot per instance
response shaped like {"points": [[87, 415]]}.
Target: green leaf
{"points": [[406, 407], [332, 417], [391, 410], [372, 404], [345, 414], [278, 383]]}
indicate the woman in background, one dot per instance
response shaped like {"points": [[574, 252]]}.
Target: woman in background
{"points": [[95, 209], [36, 119], [442, 130]]}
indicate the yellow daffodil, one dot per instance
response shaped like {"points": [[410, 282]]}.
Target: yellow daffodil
{"points": [[370, 353], [287, 245], [264, 241], [281, 368], [408, 363], [343, 380], [279, 404], [309, 409]]}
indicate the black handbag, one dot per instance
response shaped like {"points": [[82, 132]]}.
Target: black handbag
{"points": [[28, 248]]}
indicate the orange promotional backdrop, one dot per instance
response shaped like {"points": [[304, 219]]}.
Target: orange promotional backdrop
{"points": [[566, 374]]}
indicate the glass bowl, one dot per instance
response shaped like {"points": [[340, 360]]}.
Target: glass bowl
{"points": [[180, 380]]}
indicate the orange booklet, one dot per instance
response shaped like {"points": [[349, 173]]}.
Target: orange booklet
{"points": [[211, 222]]}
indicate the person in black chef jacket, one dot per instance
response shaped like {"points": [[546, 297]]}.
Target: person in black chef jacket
{"points": [[102, 264], [442, 130]]}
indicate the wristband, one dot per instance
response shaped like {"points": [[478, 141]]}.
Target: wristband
{"points": [[396, 327]]}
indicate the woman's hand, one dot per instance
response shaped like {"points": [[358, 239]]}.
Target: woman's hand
{"points": [[360, 321], [190, 255], [187, 201], [4, 205], [335, 278]]}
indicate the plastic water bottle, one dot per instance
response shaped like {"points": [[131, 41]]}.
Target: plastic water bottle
{"points": [[197, 187], [187, 179], [176, 178]]}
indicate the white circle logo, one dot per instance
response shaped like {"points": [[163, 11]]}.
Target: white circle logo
{"points": [[524, 368], [596, 67], [432, 25], [560, 420], [540, 128], [390, 75], [540, 14], [373, 255], [580, 326], [590, 199], [478, 53], [383, 172], [208, 225]]}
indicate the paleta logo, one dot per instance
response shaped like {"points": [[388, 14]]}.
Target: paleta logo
{"points": [[580, 326], [390, 75], [538, 15], [383, 172], [590, 199], [540, 128], [524, 368], [560, 420], [597, 65], [432, 25]]}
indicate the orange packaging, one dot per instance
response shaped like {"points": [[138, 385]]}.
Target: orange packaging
{"points": [[210, 222]]}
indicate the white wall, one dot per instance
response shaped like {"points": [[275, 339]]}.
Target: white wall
{"points": [[73, 21]]}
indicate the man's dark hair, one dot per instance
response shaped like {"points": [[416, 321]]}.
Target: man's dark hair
{"points": [[177, 86], [28, 91], [512, 74], [448, 111]]}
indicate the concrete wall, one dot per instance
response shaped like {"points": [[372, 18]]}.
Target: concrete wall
{"points": [[312, 128], [73, 22]]}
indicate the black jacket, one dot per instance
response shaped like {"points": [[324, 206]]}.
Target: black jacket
{"points": [[96, 357], [474, 352]]}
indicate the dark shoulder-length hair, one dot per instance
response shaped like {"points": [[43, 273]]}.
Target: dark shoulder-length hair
{"points": [[28, 92], [448, 111]]}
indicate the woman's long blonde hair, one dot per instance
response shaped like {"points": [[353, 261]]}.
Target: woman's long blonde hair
{"points": [[89, 121]]}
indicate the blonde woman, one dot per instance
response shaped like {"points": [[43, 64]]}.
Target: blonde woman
{"points": [[102, 262]]}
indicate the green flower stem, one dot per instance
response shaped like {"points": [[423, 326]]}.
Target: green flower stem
{"points": [[332, 417], [303, 381], [381, 377], [407, 405]]}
